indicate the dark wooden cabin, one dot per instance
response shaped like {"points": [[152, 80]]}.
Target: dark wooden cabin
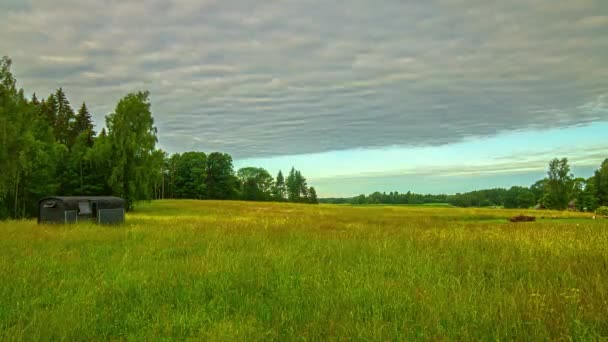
{"points": [[71, 209]]}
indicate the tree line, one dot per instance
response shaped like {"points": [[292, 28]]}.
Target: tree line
{"points": [[196, 175], [47, 148], [559, 190]]}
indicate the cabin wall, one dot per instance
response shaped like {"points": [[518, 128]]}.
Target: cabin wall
{"points": [[110, 216], [52, 215], [73, 209]]}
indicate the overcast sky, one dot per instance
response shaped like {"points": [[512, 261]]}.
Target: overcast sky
{"points": [[360, 95]]}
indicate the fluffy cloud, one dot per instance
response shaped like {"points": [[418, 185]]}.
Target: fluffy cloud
{"points": [[262, 78]]}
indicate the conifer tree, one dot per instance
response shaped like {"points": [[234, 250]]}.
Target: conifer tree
{"points": [[291, 183], [279, 187], [64, 118], [48, 111], [302, 187], [83, 124]]}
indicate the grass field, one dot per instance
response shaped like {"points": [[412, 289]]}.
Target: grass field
{"points": [[263, 271]]}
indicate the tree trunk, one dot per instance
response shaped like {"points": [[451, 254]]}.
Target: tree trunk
{"points": [[80, 177], [16, 196]]}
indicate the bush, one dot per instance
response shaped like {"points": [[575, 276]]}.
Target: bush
{"points": [[602, 211], [522, 218]]}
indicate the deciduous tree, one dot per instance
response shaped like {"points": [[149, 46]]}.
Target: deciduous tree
{"points": [[220, 179], [559, 184], [133, 138], [601, 184]]}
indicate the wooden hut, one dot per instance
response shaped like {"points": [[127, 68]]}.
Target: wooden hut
{"points": [[71, 209]]}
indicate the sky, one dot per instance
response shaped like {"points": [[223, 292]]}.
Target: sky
{"points": [[436, 96]]}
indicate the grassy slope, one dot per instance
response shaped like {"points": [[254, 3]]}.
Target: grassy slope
{"points": [[255, 271]]}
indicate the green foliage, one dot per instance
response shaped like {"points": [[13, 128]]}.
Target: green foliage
{"points": [[256, 184], [279, 189], [72, 170], [519, 197], [302, 187], [312, 196], [559, 185], [157, 173], [9, 144], [603, 211], [83, 124], [194, 175], [48, 111], [587, 200], [538, 189], [601, 183], [478, 198], [64, 119], [296, 186], [560, 190], [99, 161], [220, 180], [26, 146], [292, 186], [190, 173], [133, 138]]}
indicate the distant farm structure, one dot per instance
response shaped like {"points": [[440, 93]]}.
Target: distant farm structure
{"points": [[72, 209]]}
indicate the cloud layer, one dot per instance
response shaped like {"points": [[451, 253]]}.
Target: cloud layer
{"points": [[263, 78]]}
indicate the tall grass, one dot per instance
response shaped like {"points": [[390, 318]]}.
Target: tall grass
{"points": [[263, 271]]}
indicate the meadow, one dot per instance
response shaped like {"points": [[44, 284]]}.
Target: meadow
{"points": [[269, 271]]}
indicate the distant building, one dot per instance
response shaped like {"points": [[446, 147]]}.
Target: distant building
{"points": [[71, 209]]}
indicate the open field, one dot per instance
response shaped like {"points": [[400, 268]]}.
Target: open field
{"points": [[259, 271]]}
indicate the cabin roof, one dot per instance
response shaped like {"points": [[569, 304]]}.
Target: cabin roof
{"points": [[103, 202], [85, 198]]}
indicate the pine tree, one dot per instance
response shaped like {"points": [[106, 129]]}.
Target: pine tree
{"points": [[302, 187], [83, 124], [292, 186], [279, 187], [48, 111], [64, 118]]}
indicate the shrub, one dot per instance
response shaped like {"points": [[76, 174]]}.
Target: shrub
{"points": [[602, 211], [522, 218]]}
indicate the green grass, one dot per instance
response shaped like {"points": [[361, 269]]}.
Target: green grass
{"points": [[263, 271]]}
